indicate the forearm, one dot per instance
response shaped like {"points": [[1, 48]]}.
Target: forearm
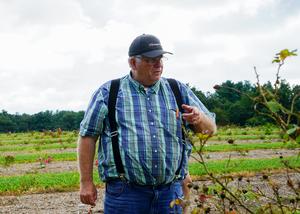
{"points": [[86, 153], [205, 125], [200, 121]]}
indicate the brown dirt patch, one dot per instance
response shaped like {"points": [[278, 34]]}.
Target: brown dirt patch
{"points": [[68, 202], [63, 166]]}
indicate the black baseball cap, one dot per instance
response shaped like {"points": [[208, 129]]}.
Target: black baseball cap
{"points": [[146, 45]]}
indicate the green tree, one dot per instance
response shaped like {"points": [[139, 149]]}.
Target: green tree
{"points": [[6, 123]]}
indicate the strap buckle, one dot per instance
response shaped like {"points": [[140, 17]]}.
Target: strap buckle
{"points": [[177, 177], [114, 133], [122, 176]]}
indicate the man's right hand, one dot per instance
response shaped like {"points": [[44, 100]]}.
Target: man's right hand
{"points": [[88, 193], [86, 153]]}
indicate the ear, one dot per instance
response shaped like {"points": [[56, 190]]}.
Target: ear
{"points": [[132, 63]]}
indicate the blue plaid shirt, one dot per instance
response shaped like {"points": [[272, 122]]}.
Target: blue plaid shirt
{"points": [[149, 130]]}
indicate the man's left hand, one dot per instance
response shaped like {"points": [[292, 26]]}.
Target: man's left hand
{"points": [[192, 114]]}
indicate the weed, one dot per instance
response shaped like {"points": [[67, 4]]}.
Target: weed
{"points": [[262, 137], [8, 160], [37, 148], [235, 198], [44, 161]]}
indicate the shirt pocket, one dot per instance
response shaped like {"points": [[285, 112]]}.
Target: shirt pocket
{"points": [[170, 122]]}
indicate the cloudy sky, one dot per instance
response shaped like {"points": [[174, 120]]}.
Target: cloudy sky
{"points": [[54, 54]]}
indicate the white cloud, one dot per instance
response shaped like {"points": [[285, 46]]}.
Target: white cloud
{"points": [[54, 54]]}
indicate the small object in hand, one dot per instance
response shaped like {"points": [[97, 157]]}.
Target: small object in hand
{"points": [[177, 113], [90, 210], [81, 208]]}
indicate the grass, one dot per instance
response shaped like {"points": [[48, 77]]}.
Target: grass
{"points": [[246, 137], [58, 182], [71, 156], [249, 129], [30, 158], [242, 165], [31, 148], [37, 141], [248, 146], [208, 148], [67, 181], [39, 144]]}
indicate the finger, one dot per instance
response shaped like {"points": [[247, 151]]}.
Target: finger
{"points": [[188, 114], [94, 199], [92, 203], [87, 200], [187, 107], [191, 118], [187, 117], [83, 199]]}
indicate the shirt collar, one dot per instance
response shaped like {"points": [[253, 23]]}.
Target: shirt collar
{"points": [[140, 88]]}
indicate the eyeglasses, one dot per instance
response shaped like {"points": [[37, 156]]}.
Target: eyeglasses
{"points": [[152, 61]]}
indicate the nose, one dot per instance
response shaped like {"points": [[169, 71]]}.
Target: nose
{"points": [[157, 62]]}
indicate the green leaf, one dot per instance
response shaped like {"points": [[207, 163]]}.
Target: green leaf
{"points": [[276, 60], [283, 54], [286, 53], [285, 137], [274, 106], [298, 139], [293, 52], [291, 131], [250, 195]]}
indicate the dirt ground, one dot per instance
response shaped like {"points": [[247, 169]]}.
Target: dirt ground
{"points": [[68, 202], [65, 202], [19, 169]]}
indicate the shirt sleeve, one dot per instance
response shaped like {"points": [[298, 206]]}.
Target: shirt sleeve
{"points": [[92, 123], [191, 99]]}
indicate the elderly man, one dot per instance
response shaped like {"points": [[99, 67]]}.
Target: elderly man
{"points": [[142, 152]]}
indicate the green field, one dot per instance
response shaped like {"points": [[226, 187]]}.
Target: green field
{"points": [[34, 148]]}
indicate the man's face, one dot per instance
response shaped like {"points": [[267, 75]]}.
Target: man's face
{"points": [[148, 70]]}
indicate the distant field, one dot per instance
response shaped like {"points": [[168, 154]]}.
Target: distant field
{"points": [[36, 152]]}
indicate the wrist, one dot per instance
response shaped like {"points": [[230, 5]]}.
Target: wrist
{"points": [[86, 180]]}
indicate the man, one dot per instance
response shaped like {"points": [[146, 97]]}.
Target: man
{"points": [[153, 155]]}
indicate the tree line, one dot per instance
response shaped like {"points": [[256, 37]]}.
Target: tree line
{"points": [[47, 120], [231, 108]]}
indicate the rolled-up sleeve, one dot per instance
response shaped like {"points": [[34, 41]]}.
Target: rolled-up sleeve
{"points": [[92, 123], [192, 100]]}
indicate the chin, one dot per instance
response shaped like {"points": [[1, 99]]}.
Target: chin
{"points": [[156, 77]]}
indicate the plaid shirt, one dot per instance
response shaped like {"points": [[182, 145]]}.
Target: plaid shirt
{"points": [[149, 129]]}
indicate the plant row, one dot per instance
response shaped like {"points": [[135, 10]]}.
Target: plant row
{"points": [[30, 158], [66, 181]]}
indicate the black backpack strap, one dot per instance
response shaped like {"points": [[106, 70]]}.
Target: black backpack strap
{"points": [[175, 89], [174, 86], [113, 93]]}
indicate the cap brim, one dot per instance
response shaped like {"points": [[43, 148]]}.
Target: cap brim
{"points": [[155, 53]]}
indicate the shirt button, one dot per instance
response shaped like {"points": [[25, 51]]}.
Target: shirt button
{"points": [[148, 98], [155, 166], [150, 110], [155, 150], [154, 136], [152, 123]]}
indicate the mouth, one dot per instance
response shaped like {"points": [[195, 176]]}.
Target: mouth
{"points": [[159, 70], [157, 73]]}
